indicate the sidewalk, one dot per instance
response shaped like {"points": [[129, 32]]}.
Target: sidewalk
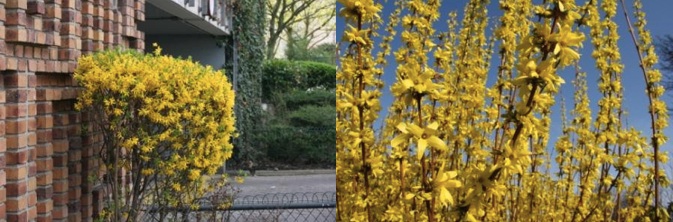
{"points": [[284, 172]]}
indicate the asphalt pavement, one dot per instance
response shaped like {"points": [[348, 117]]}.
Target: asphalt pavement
{"points": [[291, 181]]}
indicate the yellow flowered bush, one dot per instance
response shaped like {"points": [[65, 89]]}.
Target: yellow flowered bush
{"points": [[453, 148], [166, 122]]}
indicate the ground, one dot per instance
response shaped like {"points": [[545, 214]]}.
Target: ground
{"points": [[299, 181]]}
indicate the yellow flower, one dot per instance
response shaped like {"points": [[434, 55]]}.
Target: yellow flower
{"points": [[443, 182], [423, 137]]}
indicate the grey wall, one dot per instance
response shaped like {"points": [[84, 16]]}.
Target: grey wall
{"points": [[202, 48]]}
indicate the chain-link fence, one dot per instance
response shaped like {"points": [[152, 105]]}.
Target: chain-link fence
{"points": [[274, 207]]}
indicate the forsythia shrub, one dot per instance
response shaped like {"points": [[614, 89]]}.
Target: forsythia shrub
{"points": [[454, 149], [166, 122]]}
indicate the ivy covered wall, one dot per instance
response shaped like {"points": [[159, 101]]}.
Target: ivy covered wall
{"points": [[248, 36]]}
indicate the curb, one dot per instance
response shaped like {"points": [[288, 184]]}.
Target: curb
{"points": [[284, 172]]}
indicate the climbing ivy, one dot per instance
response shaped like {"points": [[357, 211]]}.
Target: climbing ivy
{"points": [[248, 37]]}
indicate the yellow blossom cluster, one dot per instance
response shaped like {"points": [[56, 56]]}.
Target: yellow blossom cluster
{"points": [[167, 122], [452, 148]]}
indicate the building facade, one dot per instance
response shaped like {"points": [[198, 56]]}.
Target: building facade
{"points": [[47, 149]]}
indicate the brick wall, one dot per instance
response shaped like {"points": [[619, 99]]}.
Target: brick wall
{"points": [[47, 149]]}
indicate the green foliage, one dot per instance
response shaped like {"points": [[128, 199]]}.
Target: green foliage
{"points": [[302, 131], [320, 97], [299, 49], [313, 116], [282, 76], [319, 74], [292, 144], [301, 128], [279, 76], [249, 26]]}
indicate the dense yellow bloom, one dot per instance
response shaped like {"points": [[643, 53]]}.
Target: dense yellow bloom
{"points": [[454, 148], [163, 117]]}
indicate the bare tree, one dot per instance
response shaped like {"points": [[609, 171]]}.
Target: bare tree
{"points": [[665, 51], [285, 15]]}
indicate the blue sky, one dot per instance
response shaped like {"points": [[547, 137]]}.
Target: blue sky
{"points": [[659, 22]]}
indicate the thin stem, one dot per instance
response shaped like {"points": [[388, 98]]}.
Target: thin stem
{"points": [[653, 118]]}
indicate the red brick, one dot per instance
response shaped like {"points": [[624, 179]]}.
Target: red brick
{"points": [[32, 107], [16, 126], [36, 7], [16, 172], [32, 155], [70, 15], [44, 217], [17, 141], [32, 170], [59, 133], [53, 53], [32, 65], [3, 145], [16, 216], [3, 182], [16, 17], [2, 17], [44, 206], [44, 108], [53, 11], [60, 212], [60, 146], [60, 161], [32, 80], [16, 80], [43, 136], [17, 157], [32, 185], [61, 120], [41, 66], [3, 198], [41, 95], [16, 4], [16, 188], [74, 194], [60, 186], [32, 211], [45, 192], [16, 34], [2, 129], [16, 110], [45, 122], [28, 52], [32, 139], [44, 178], [22, 65], [44, 164], [71, 4]]}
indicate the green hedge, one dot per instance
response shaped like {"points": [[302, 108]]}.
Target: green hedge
{"points": [[306, 146], [281, 76], [296, 99]]}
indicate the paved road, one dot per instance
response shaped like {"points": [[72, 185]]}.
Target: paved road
{"points": [[287, 184]]}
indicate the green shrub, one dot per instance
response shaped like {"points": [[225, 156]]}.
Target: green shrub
{"points": [[319, 97], [278, 76], [301, 145], [313, 116], [318, 74], [281, 76], [302, 127]]}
